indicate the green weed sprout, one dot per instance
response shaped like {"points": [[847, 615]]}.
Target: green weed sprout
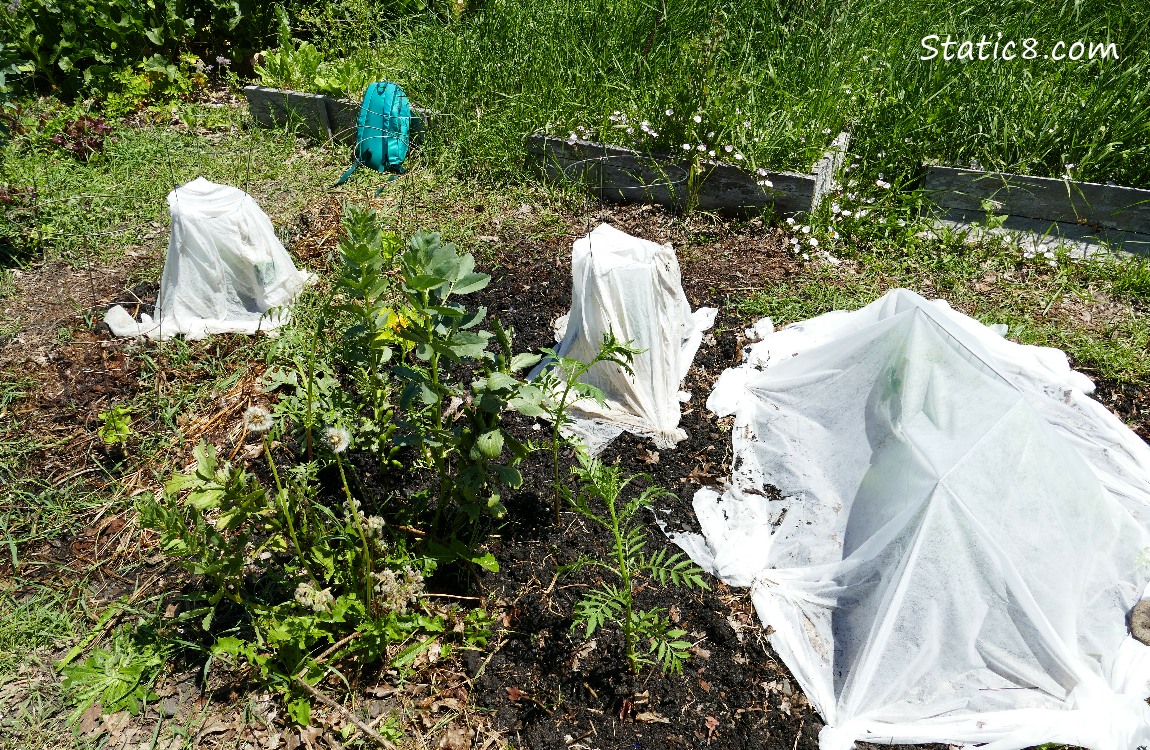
{"points": [[116, 427], [614, 603], [561, 387]]}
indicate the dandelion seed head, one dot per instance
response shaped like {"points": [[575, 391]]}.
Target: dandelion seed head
{"points": [[257, 419], [337, 439]]}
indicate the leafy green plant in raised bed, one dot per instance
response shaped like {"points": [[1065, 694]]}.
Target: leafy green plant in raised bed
{"points": [[455, 380], [613, 603], [299, 65], [559, 386]]}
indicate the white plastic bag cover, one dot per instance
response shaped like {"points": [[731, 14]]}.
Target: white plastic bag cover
{"points": [[224, 271], [945, 532], [632, 287]]}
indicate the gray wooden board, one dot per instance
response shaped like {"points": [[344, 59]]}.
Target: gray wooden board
{"points": [[278, 108], [827, 168], [1109, 207], [628, 176], [317, 116], [1043, 234]]}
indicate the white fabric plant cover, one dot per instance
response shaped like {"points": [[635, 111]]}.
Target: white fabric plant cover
{"points": [[224, 271], [632, 287], [957, 536]]}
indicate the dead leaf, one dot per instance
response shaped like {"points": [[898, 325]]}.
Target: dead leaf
{"points": [[650, 717], [674, 614], [583, 652], [705, 685], [381, 691], [699, 652], [457, 737], [648, 456], [513, 693], [712, 724], [90, 723]]}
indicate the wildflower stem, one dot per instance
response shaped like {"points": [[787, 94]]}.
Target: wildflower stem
{"points": [[368, 563], [281, 500]]}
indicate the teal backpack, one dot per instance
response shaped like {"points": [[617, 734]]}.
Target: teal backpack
{"points": [[381, 136]]}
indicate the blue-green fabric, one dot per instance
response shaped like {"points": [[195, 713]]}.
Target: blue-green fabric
{"points": [[382, 132]]}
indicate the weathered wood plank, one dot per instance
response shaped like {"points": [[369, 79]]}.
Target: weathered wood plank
{"points": [[621, 174], [1042, 234], [1098, 207], [828, 167], [278, 108]]}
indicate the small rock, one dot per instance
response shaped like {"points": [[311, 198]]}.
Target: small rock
{"points": [[169, 707], [1140, 622]]}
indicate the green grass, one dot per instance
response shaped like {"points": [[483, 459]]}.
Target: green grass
{"points": [[794, 73]]}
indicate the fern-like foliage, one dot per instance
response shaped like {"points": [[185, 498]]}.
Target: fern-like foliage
{"points": [[612, 603]]}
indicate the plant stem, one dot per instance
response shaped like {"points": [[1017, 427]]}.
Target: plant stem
{"points": [[281, 500], [625, 575]]}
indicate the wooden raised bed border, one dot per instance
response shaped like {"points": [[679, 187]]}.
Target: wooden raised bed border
{"points": [[625, 175], [1078, 214]]}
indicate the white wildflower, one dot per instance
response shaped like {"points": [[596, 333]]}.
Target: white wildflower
{"points": [[738, 157], [701, 147], [847, 212], [697, 118], [765, 183], [686, 147], [711, 153], [670, 112], [836, 208], [806, 229], [728, 148], [813, 242], [375, 526], [257, 419], [791, 220]]}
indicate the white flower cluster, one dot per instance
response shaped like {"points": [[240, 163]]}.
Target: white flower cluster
{"points": [[398, 591], [318, 600], [1046, 255]]}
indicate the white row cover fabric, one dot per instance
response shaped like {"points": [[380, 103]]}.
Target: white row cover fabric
{"points": [[945, 532], [632, 287], [225, 271]]}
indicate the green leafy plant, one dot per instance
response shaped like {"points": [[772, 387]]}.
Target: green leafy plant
{"points": [[117, 679], [116, 428], [600, 500], [455, 379], [285, 574], [559, 386], [299, 65]]}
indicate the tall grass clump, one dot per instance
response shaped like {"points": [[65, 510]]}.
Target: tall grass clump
{"points": [[776, 80]]}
